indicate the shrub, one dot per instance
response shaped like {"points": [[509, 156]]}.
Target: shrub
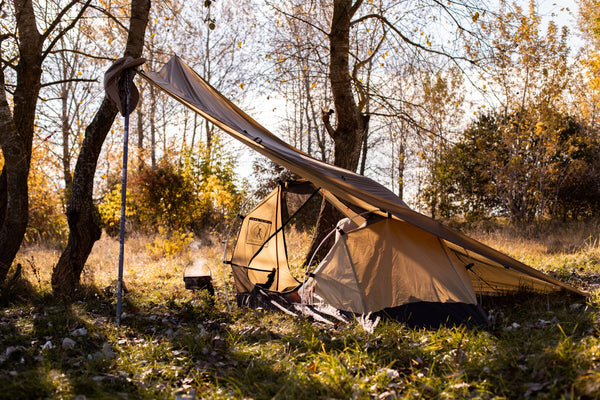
{"points": [[196, 194], [169, 243], [47, 221]]}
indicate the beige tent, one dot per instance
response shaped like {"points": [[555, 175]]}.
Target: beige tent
{"points": [[405, 257]]}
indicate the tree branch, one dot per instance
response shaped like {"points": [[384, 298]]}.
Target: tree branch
{"points": [[67, 29], [297, 18], [409, 41], [68, 80], [87, 55], [110, 16], [355, 7], [325, 116]]}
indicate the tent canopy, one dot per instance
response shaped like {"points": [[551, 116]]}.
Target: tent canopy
{"points": [[499, 273]]}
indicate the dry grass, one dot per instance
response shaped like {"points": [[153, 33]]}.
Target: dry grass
{"points": [[173, 342], [570, 251], [141, 269]]}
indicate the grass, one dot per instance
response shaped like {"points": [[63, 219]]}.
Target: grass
{"points": [[173, 342]]}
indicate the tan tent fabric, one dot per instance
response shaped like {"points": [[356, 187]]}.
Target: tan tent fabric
{"points": [[491, 278], [338, 283], [393, 263], [181, 82], [259, 256]]}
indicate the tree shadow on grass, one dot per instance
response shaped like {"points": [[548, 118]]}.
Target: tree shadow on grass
{"points": [[544, 345], [174, 343], [55, 349]]}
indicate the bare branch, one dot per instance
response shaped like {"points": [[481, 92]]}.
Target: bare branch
{"points": [[7, 63], [297, 18], [110, 16], [87, 55], [68, 80], [405, 38], [355, 7], [68, 28], [453, 17], [362, 92]]}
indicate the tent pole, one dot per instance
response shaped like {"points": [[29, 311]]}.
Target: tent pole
{"points": [[128, 82]]}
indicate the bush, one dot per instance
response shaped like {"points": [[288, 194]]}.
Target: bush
{"points": [[169, 243], [197, 194], [47, 221]]}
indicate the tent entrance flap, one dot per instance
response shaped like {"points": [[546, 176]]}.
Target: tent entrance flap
{"points": [[260, 255]]}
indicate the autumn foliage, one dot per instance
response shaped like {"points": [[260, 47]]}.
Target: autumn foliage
{"points": [[543, 166], [195, 194]]}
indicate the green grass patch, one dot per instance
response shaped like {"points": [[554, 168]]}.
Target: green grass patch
{"points": [[173, 342]]}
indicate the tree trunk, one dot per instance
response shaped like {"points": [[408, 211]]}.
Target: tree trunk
{"points": [[13, 181], [16, 135], [84, 229], [347, 135], [351, 123], [401, 167], [152, 127]]}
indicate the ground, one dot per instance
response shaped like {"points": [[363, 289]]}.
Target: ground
{"points": [[174, 343]]}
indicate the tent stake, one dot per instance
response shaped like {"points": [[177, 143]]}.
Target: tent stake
{"points": [[128, 82]]}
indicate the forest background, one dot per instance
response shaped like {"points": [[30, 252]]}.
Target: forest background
{"points": [[467, 111], [479, 114]]}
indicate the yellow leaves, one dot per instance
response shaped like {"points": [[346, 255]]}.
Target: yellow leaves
{"points": [[475, 16], [239, 44], [242, 86], [314, 84]]}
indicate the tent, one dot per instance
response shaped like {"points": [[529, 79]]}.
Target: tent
{"points": [[397, 261]]}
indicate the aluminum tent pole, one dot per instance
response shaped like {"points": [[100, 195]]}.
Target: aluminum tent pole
{"points": [[128, 83]]}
